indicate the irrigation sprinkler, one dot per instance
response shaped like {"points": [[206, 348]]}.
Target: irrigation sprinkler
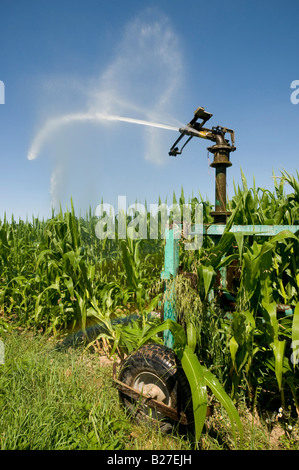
{"points": [[221, 152], [150, 376]]}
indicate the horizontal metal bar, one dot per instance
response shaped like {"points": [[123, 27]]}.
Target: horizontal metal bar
{"points": [[261, 230], [149, 401], [146, 399]]}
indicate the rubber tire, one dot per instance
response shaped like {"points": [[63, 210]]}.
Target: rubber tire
{"points": [[163, 363]]}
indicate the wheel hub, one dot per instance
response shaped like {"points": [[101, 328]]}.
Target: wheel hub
{"points": [[152, 385]]}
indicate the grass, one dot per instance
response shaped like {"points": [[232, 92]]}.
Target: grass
{"points": [[51, 400]]}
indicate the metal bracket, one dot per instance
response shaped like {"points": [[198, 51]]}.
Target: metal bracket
{"points": [[193, 129]]}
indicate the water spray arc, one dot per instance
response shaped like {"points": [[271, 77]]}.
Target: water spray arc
{"points": [[56, 123]]}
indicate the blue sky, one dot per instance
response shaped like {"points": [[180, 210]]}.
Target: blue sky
{"points": [[156, 61]]}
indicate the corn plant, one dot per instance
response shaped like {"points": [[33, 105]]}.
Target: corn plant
{"points": [[57, 275], [256, 335], [199, 378]]}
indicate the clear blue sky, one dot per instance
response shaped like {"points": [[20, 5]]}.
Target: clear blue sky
{"points": [[153, 60]]}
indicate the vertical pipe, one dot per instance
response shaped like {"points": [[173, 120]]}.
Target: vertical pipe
{"points": [[220, 189], [221, 152], [220, 163], [171, 268]]}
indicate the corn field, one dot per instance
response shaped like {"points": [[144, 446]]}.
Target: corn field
{"points": [[56, 276]]}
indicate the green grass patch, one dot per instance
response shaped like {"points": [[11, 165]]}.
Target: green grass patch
{"points": [[51, 400]]}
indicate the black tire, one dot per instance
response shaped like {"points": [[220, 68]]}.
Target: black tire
{"points": [[155, 370]]}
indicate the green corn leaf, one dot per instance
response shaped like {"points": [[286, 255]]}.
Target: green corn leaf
{"points": [[295, 336], [250, 319], [244, 182], [43, 254], [282, 236], [191, 336], [116, 341], [233, 347], [226, 261], [69, 285], [128, 263], [219, 392], [239, 236], [38, 307], [271, 310], [81, 302], [166, 325], [279, 350], [207, 273], [199, 377], [195, 376]]}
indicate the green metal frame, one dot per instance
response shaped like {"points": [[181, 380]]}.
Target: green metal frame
{"points": [[171, 269], [260, 230]]}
